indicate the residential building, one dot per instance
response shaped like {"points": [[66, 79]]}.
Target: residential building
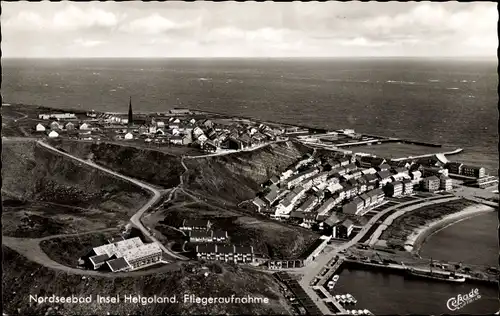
{"points": [[416, 176], [69, 126], [272, 195], [128, 136], [40, 128], [344, 229], [431, 183], [53, 134], [55, 126], [200, 236], [195, 224], [226, 253], [176, 140], [393, 189], [327, 206], [259, 204], [454, 167], [370, 161], [208, 146], [384, 177], [84, 126], [309, 204], [407, 187], [445, 183], [353, 207], [220, 236], [310, 218], [473, 171], [329, 226], [296, 179], [367, 200]]}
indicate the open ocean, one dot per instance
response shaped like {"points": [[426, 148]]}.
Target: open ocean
{"points": [[451, 102]]}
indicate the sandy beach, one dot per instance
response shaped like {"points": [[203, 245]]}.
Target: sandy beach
{"points": [[419, 235]]}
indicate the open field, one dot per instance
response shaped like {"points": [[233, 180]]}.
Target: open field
{"points": [[51, 194], [404, 225], [23, 278]]}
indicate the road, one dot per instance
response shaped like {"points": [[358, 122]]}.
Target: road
{"points": [[235, 151], [136, 218]]}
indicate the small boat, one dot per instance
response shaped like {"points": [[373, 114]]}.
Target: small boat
{"points": [[360, 312], [336, 278], [366, 312], [331, 284], [354, 312], [450, 277]]}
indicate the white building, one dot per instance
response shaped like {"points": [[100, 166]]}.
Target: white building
{"points": [[53, 134], [40, 128], [128, 136], [84, 126]]}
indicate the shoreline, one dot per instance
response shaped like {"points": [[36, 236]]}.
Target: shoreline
{"points": [[419, 236]]}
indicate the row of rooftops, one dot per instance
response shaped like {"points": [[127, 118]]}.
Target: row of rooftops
{"points": [[208, 234], [223, 249]]}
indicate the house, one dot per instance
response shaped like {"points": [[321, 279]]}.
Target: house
{"points": [[394, 189], [160, 124], [384, 177], [197, 132], [53, 134], [354, 207], [245, 140], [176, 121], [226, 253], [309, 218], [200, 236], [202, 138], [428, 171], [259, 204], [366, 200], [192, 121], [445, 183], [407, 187], [416, 176], [454, 167], [379, 194], [69, 126], [128, 136], [272, 195], [371, 178], [298, 178], [40, 128], [232, 143], [176, 140], [243, 254], [431, 183], [344, 229], [382, 167], [175, 131], [220, 236], [152, 129], [329, 225], [309, 204], [55, 126], [208, 146], [326, 206], [84, 126], [187, 139], [274, 180], [206, 251], [473, 171], [195, 224]]}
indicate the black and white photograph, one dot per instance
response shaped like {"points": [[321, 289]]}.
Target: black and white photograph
{"points": [[250, 158]]}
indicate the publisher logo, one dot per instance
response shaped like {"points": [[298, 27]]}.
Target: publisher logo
{"points": [[456, 303]]}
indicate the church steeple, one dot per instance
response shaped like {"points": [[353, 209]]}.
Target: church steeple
{"points": [[130, 116]]}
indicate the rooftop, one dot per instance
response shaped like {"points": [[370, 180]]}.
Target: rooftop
{"points": [[118, 264]]}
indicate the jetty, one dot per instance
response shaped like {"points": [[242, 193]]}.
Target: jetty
{"points": [[453, 152], [330, 298]]}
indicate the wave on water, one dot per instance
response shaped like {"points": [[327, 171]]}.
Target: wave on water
{"points": [[400, 82], [452, 88], [96, 73], [204, 79], [112, 90], [433, 80]]}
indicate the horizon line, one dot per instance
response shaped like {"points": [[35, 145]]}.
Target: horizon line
{"points": [[256, 57]]}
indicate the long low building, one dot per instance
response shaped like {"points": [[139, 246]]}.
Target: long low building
{"points": [[226, 253], [126, 255]]}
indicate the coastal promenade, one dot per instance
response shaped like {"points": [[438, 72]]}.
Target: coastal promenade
{"points": [[389, 220], [312, 270]]}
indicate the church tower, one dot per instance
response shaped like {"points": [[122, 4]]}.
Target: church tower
{"points": [[130, 116]]}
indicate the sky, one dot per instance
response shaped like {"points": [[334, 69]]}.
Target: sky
{"points": [[248, 29]]}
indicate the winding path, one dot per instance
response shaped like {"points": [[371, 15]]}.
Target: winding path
{"points": [[30, 248]]}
